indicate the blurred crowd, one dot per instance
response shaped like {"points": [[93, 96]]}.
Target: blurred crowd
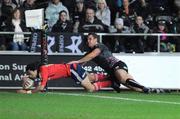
{"points": [[101, 16]]}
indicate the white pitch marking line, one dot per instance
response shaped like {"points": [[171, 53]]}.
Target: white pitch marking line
{"points": [[118, 98]]}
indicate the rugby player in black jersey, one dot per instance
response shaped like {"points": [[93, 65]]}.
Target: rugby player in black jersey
{"points": [[116, 68]]}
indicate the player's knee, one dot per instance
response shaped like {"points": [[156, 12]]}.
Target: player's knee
{"points": [[123, 80], [88, 85], [92, 77]]}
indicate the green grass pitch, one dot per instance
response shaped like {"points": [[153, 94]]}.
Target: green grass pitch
{"points": [[83, 105]]}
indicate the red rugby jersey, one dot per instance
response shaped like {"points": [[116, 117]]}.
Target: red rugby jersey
{"points": [[54, 71]]}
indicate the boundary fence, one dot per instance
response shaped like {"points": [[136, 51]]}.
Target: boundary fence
{"points": [[113, 34]]}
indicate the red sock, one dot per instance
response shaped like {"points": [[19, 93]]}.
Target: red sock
{"points": [[100, 77], [102, 84]]}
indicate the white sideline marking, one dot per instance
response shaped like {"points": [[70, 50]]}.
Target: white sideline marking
{"points": [[117, 98]]}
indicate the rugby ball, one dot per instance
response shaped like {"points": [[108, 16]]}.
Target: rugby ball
{"points": [[27, 83]]}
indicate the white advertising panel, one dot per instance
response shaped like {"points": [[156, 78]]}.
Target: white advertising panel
{"points": [[154, 70]]}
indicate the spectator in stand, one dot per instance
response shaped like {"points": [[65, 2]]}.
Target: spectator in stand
{"points": [[63, 25], [29, 5], [79, 11], [0, 17], [90, 3], [138, 6], [79, 14], [161, 7], [70, 4], [16, 24], [126, 12], [6, 9], [177, 16], [103, 12], [121, 41], [52, 12], [166, 43], [177, 4], [42, 3], [18, 3], [177, 27], [2, 43], [113, 6], [120, 27], [91, 23], [6, 3], [139, 42], [2, 40], [118, 44]]}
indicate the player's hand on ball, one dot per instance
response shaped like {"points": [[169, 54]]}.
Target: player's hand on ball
{"points": [[27, 82]]}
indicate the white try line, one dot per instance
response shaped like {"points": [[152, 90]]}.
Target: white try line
{"points": [[117, 98]]}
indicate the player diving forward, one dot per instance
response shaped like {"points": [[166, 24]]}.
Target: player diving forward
{"points": [[56, 71]]}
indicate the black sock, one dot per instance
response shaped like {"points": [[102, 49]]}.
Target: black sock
{"points": [[133, 83]]}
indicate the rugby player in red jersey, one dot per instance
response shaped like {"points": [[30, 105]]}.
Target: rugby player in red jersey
{"points": [[57, 71]]}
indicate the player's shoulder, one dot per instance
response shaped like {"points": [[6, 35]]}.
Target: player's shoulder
{"points": [[103, 47], [100, 46]]}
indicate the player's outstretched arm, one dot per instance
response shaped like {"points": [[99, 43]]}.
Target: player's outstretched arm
{"points": [[87, 57], [22, 91], [37, 89]]}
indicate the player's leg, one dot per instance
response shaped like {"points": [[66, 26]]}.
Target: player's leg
{"points": [[127, 80], [121, 73], [102, 84], [102, 80], [92, 87], [86, 83], [92, 77], [98, 77], [82, 77]]}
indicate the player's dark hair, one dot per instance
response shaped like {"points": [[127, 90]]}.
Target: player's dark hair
{"points": [[93, 34], [33, 66]]}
